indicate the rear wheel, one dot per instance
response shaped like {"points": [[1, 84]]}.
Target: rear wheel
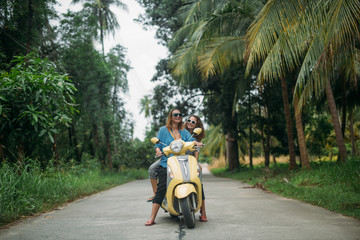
{"points": [[186, 210]]}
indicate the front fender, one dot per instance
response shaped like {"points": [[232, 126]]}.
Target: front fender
{"points": [[184, 190]]}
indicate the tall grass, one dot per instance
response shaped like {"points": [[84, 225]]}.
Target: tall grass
{"points": [[334, 186], [36, 190]]}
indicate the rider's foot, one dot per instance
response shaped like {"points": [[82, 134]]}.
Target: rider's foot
{"points": [[203, 219], [151, 198], [150, 223]]}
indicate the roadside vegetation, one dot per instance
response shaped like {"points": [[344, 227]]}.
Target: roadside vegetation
{"points": [[29, 190], [331, 185], [269, 78]]}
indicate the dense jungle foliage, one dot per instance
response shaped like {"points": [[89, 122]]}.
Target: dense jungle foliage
{"points": [[269, 79]]}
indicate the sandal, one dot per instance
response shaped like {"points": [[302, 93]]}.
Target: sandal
{"points": [[150, 223], [150, 199], [203, 219]]}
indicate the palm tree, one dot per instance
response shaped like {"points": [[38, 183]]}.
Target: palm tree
{"points": [[214, 50], [145, 105], [313, 36], [197, 45], [106, 18]]}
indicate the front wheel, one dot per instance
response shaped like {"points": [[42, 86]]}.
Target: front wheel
{"points": [[189, 215]]}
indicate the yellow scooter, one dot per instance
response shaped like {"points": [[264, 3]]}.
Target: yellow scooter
{"points": [[184, 193]]}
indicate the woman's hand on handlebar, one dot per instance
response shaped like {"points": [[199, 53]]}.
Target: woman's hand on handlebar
{"points": [[158, 152], [199, 144]]}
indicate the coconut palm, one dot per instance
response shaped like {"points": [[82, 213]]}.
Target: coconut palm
{"points": [[145, 105], [199, 41], [106, 18], [210, 42], [314, 36]]}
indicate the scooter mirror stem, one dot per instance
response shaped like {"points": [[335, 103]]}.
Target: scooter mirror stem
{"points": [[155, 140]]}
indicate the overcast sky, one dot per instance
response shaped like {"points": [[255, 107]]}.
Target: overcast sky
{"points": [[143, 52]]}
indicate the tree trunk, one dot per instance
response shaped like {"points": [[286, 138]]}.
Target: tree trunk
{"points": [[20, 158], [292, 164], [262, 133], [55, 151], [101, 30], [352, 134], [301, 138], [232, 155], [267, 124], [96, 138], [335, 120], [108, 148], [250, 131], [267, 148], [74, 142], [343, 104], [274, 159], [30, 17]]}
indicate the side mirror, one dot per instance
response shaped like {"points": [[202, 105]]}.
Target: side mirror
{"points": [[197, 131], [155, 140]]}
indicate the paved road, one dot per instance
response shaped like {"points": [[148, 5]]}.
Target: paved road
{"points": [[235, 211]]}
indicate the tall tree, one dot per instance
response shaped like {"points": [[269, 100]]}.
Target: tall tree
{"points": [[25, 27], [100, 80], [107, 22], [198, 43], [145, 105], [313, 36]]}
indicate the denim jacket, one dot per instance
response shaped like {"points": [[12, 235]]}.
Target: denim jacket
{"points": [[165, 137]]}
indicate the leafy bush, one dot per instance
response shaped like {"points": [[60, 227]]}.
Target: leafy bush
{"points": [[34, 101]]}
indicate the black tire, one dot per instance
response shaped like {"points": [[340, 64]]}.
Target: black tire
{"points": [[189, 216]]}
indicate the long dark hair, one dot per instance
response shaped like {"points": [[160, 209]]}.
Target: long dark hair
{"points": [[199, 124]]}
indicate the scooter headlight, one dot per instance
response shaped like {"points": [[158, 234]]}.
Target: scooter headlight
{"points": [[176, 146]]}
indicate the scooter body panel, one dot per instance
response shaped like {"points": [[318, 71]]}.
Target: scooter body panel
{"points": [[182, 180], [184, 190]]}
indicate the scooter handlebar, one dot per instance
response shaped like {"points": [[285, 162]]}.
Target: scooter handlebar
{"points": [[159, 155]]}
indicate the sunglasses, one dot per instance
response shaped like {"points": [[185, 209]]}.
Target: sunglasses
{"points": [[177, 114], [190, 121]]}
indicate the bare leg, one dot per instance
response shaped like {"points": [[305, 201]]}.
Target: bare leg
{"points": [[153, 182], [202, 209], [154, 211]]}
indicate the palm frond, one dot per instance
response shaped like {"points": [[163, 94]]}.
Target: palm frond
{"points": [[195, 10], [182, 35], [214, 141], [218, 54], [341, 19], [332, 44], [275, 18], [184, 60]]}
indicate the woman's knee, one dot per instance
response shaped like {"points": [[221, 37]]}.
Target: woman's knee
{"points": [[153, 170]]}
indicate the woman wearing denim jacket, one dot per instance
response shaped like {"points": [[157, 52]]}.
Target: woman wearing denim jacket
{"points": [[174, 130]]}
